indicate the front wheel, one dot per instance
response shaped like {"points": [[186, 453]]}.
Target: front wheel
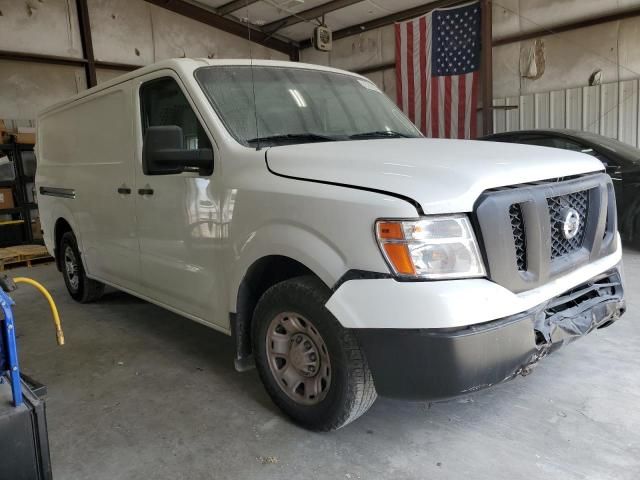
{"points": [[312, 367], [80, 287]]}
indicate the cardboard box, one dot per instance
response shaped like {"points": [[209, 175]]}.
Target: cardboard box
{"points": [[6, 198], [4, 133], [36, 229], [25, 138], [25, 135]]}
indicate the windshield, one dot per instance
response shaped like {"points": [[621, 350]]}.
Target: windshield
{"points": [[297, 105], [628, 153]]}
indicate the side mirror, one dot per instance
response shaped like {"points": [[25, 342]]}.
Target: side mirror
{"points": [[163, 153]]}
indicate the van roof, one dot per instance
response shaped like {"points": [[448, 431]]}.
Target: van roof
{"points": [[186, 66]]}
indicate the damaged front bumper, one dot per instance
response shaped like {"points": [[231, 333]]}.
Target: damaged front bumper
{"points": [[443, 363]]}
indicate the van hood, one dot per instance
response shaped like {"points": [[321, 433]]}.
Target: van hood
{"points": [[442, 176]]}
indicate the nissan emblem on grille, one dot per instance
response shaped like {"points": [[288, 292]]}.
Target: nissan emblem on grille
{"points": [[568, 215], [571, 223]]}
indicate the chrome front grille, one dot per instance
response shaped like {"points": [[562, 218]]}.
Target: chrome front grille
{"points": [[578, 201]]}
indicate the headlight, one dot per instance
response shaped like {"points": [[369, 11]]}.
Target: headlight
{"points": [[435, 247]]}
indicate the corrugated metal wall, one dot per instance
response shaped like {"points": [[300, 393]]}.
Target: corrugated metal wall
{"points": [[610, 109]]}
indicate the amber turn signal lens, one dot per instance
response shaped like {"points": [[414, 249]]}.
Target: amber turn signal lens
{"points": [[390, 231], [398, 255]]}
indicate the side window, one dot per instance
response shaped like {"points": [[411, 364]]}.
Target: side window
{"points": [[505, 139], [609, 163], [163, 104], [553, 142], [566, 144], [538, 140]]}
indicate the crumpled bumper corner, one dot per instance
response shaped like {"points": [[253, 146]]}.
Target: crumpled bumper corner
{"points": [[434, 364]]}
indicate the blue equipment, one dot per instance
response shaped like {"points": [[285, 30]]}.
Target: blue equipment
{"points": [[8, 346], [24, 442]]}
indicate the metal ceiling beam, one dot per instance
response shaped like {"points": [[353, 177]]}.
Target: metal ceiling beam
{"points": [[84, 23], [227, 8], [614, 17], [65, 61], [389, 19], [37, 58], [123, 67], [309, 14], [228, 25]]}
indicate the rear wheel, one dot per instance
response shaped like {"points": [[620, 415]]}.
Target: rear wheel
{"points": [[312, 368], [80, 287]]}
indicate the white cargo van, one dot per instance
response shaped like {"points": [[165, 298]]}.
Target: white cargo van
{"points": [[296, 209]]}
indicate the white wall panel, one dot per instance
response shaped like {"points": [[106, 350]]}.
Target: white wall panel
{"points": [[358, 51], [511, 17], [611, 109], [570, 57], [527, 112], [105, 74], [513, 115], [591, 109], [542, 110], [628, 112], [574, 108], [42, 27], [122, 31], [557, 109], [499, 115], [28, 88], [377, 78], [390, 84]]}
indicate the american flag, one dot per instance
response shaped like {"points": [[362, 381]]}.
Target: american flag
{"points": [[437, 71]]}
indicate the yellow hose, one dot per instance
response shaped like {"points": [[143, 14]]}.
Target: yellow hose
{"points": [[52, 305]]}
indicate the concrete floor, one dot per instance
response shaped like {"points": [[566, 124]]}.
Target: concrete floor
{"points": [[141, 393]]}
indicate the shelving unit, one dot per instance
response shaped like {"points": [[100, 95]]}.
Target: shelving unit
{"points": [[22, 210]]}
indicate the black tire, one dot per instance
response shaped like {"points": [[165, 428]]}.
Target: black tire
{"points": [[351, 390], [80, 287]]}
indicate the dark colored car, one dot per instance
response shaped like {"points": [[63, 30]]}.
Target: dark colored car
{"points": [[622, 162]]}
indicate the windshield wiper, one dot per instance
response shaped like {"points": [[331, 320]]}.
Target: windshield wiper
{"points": [[292, 138], [379, 134]]}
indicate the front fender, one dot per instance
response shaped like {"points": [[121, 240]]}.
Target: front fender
{"points": [[297, 242]]}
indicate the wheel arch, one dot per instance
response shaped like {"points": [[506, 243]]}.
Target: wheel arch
{"points": [[61, 226], [263, 273]]}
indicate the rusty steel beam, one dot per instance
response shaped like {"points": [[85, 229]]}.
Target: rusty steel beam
{"points": [[227, 8], [38, 58], [123, 67], [228, 25], [389, 19], [614, 17], [375, 68], [308, 15]]}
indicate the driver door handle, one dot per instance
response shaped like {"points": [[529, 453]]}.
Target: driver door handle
{"points": [[124, 190], [145, 191]]}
